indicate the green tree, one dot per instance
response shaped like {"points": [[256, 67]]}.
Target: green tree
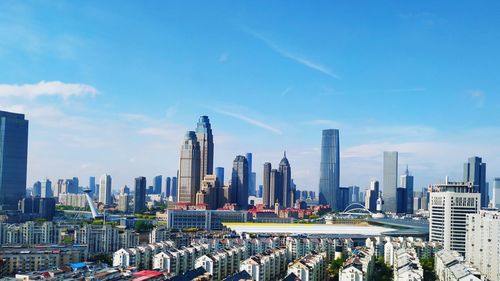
{"points": [[334, 268], [428, 266], [143, 226], [104, 258], [382, 272]]}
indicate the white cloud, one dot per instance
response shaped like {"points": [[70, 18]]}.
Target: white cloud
{"points": [[478, 96], [224, 57], [295, 57], [49, 88], [250, 121]]}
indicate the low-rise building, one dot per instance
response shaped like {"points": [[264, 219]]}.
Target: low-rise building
{"points": [[450, 266], [203, 219], [407, 266], [359, 265], [311, 267]]}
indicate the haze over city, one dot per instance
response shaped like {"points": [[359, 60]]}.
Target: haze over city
{"points": [[113, 89]]}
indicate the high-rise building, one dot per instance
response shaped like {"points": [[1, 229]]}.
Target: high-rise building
{"points": [[266, 185], [167, 190], [92, 185], [123, 202], [219, 172], [174, 189], [105, 190], [372, 195], [76, 185], [206, 144], [407, 185], [239, 182], [189, 169], [13, 159], [475, 172], [251, 187], [260, 191], [497, 192], [46, 189], [449, 205], [390, 183], [125, 190], [329, 179], [285, 193], [37, 189], [482, 246], [157, 184], [274, 187], [140, 195]]}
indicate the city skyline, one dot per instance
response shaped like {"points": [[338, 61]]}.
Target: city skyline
{"points": [[85, 120]]}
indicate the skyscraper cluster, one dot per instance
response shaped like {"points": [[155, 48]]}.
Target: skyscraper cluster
{"points": [[196, 160], [277, 185]]}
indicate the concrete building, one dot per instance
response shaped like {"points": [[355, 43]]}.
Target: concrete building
{"points": [[124, 203], [105, 190], [371, 196], [239, 182], [268, 265], [359, 265], [475, 172], [141, 257], [482, 248], [311, 267], [13, 159], [407, 265], [450, 266], [210, 193], [104, 238], [29, 233], [449, 205], [407, 185], [73, 200], [189, 169], [203, 219], [390, 181], [329, 179], [496, 185], [46, 189], [285, 192], [22, 259], [266, 185], [221, 263]]}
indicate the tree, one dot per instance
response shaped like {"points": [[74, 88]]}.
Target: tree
{"points": [[428, 266], [334, 268], [143, 226], [382, 272]]}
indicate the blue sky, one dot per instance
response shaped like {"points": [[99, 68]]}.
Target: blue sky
{"points": [[111, 86]]}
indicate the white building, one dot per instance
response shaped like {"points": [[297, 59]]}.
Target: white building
{"points": [[311, 267], [269, 265], [483, 244], [449, 266], [73, 200], [105, 190], [407, 266], [359, 266], [449, 205]]}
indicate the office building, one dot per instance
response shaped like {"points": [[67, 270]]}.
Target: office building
{"points": [[37, 189], [482, 246], [174, 189], [13, 159], [449, 205], [36, 207], [140, 195], [105, 190], [219, 172], [285, 193], [209, 219], [371, 196], [210, 193], [407, 185], [496, 186], [157, 183], [267, 199], [475, 172], [46, 189], [329, 180], [390, 181], [167, 187], [239, 182], [189, 169], [260, 191], [206, 143], [124, 202], [92, 186]]}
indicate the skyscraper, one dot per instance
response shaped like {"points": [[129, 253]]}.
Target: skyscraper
{"points": [[37, 189], [105, 190], [274, 187], [329, 179], [497, 192], [157, 184], [285, 192], [174, 189], [206, 143], [46, 189], [251, 187], [167, 190], [475, 172], [92, 185], [407, 185], [219, 172], [13, 159], [371, 196], [140, 195], [266, 185], [390, 183], [189, 169], [239, 182]]}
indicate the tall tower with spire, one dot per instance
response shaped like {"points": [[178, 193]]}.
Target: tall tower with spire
{"points": [[285, 197], [206, 141]]}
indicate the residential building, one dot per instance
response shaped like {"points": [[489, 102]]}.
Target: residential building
{"points": [[203, 219], [450, 266], [329, 180], [358, 266], [482, 245], [124, 203], [311, 267], [407, 266], [13, 159], [268, 265], [46, 189], [73, 200]]}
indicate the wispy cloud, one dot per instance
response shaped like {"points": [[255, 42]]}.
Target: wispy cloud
{"points": [[478, 96], [402, 90], [295, 57], [224, 57], [286, 91], [323, 122], [43, 88], [250, 121]]}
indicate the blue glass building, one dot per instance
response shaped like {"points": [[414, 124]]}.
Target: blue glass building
{"points": [[13, 159], [329, 179]]}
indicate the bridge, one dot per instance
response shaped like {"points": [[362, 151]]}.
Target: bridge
{"points": [[356, 209]]}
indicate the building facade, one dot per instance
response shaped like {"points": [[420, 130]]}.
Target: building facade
{"points": [[390, 181], [329, 179], [239, 182], [105, 190], [189, 169]]}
